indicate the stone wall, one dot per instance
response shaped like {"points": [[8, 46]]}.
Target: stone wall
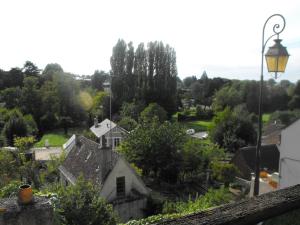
{"points": [[40, 212]]}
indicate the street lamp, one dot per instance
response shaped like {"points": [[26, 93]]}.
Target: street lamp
{"points": [[276, 58]]}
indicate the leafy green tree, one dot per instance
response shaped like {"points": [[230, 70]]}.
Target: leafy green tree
{"points": [[224, 172], [8, 168], [128, 123], [11, 97], [15, 127], [50, 70], [153, 110], [98, 78], [81, 204], [155, 148], [232, 129], [132, 110], [31, 98], [30, 69], [188, 81]]}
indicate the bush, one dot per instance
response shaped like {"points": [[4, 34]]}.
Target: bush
{"points": [[81, 204]]}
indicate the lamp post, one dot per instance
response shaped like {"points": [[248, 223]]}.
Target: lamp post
{"points": [[276, 58]]}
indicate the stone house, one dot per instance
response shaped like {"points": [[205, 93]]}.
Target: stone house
{"points": [[118, 182], [108, 133]]}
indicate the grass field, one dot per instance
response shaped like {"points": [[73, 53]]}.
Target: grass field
{"points": [[57, 137], [53, 139], [198, 125], [266, 117]]}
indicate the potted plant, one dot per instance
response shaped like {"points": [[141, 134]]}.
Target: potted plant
{"points": [[25, 194]]}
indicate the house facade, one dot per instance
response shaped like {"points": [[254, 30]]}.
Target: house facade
{"points": [[108, 133], [289, 163], [118, 182]]}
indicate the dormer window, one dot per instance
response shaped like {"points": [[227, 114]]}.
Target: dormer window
{"points": [[120, 183]]}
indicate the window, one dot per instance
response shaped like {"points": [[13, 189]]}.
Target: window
{"points": [[120, 181], [116, 141]]}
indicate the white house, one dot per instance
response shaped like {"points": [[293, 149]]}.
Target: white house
{"points": [[289, 163], [118, 182], [108, 133]]}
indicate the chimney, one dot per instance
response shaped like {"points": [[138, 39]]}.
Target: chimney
{"points": [[95, 122], [77, 141]]}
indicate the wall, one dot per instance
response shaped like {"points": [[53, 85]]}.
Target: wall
{"points": [[122, 168], [38, 213], [289, 163], [131, 209]]}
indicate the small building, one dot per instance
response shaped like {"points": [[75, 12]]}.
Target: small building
{"points": [[118, 182], [244, 160], [108, 133], [289, 148]]}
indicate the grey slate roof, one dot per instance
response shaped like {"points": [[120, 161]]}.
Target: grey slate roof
{"points": [[87, 158]]}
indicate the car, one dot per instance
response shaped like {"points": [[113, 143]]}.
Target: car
{"points": [[190, 131]]}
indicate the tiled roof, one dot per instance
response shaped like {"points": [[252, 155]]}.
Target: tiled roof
{"points": [[244, 159], [87, 158]]}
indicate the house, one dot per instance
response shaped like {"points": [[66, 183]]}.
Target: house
{"points": [[108, 133], [244, 160], [118, 182], [289, 148]]}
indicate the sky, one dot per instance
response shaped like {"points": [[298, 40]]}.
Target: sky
{"points": [[223, 38]]}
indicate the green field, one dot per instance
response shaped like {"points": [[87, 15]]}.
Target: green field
{"points": [[57, 137], [54, 140], [198, 125], [266, 117]]}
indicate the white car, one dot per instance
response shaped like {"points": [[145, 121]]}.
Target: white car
{"points": [[190, 131]]}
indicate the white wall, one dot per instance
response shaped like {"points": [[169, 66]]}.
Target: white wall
{"points": [[289, 163], [122, 168], [131, 209]]}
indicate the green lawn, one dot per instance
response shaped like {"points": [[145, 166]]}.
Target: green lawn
{"points": [[53, 139], [266, 117], [57, 137], [198, 125]]}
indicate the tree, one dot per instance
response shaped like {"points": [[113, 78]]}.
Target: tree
{"points": [[224, 172], [51, 69], [15, 127], [153, 110], [155, 148], [98, 78], [30, 69], [11, 97], [81, 204], [188, 81], [31, 98], [128, 123], [232, 129], [132, 110]]}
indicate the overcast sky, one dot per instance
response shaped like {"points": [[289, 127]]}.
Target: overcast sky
{"points": [[221, 37]]}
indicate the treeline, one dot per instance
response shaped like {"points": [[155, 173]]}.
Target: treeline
{"points": [[145, 75]]}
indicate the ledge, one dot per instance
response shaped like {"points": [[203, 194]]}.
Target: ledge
{"points": [[39, 212], [246, 212]]}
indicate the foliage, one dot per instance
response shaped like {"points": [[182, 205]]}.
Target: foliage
{"points": [[285, 117], [10, 189], [8, 168], [128, 123], [224, 172], [15, 126], [155, 148], [174, 210], [146, 75], [131, 110], [81, 204], [153, 110], [24, 143], [232, 129]]}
